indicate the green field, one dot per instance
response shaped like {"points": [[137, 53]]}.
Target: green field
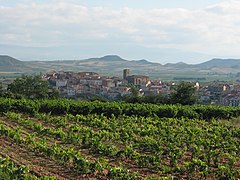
{"points": [[66, 139]]}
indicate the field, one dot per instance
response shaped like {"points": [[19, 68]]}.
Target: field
{"points": [[63, 139]]}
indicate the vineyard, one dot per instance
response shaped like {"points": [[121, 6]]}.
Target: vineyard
{"points": [[64, 139]]}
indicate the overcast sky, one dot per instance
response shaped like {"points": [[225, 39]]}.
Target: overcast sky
{"points": [[157, 30]]}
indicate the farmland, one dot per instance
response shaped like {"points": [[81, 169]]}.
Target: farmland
{"points": [[64, 139]]}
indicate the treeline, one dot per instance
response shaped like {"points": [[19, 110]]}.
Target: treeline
{"points": [[64, 106]]}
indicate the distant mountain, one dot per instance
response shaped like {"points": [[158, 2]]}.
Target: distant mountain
{"points": [[10, 64], [178, 65], [9, 61], [230, 63], [111, 58], [113, 65], [105, 60], [109, 65]]}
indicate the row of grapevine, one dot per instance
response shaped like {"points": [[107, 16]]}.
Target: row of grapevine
{"points": [[68, 156], [9, 170], [149, 142], [108, 109]]}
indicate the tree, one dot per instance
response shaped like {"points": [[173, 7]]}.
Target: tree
{"points": [[185, 94], [134, 90], [134, 96], [54, 94], [32, 87], [1, 89], [98, 98], [5, 93]]}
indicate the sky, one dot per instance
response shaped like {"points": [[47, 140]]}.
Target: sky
{"points": [[156, 30]]}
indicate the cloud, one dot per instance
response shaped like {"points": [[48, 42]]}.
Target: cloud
{"points": [[214, 29]]}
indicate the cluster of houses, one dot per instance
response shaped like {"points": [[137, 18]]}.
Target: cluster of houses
{"points": [[89, 84], [221, 93]]}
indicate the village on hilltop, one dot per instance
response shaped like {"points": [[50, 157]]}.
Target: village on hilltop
{"points": [[88, 84]]}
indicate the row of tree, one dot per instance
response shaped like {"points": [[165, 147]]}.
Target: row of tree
{"points": [[34, 87]]}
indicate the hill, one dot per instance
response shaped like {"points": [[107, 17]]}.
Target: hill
{"points": [[179, 65], [112, 65], [231, 63], [10, 64], [106, 65]]}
